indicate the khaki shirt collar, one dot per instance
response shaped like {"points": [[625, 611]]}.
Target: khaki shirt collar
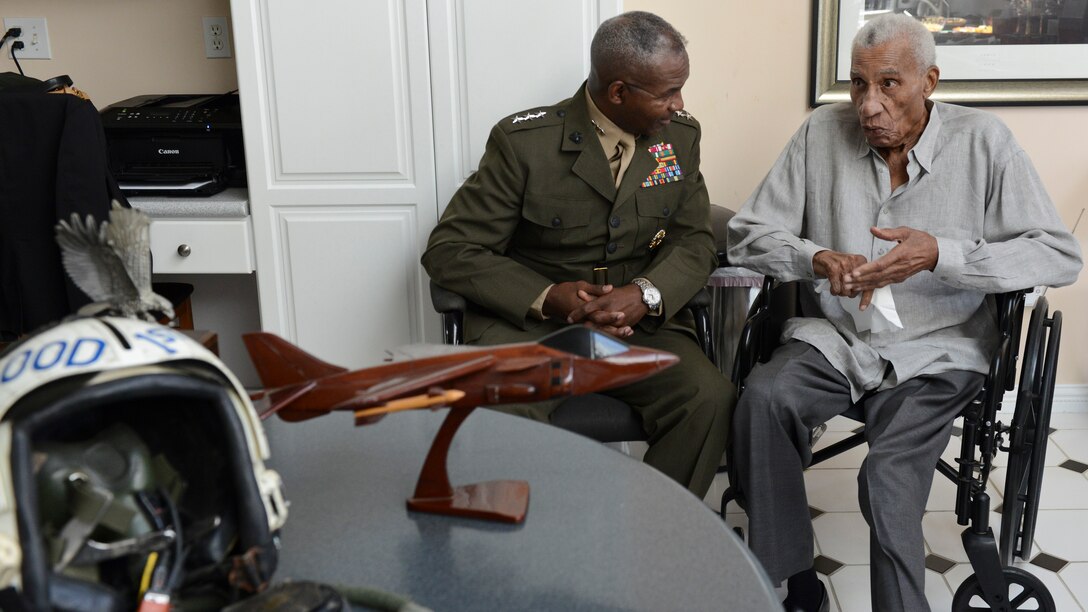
{"points": [[609, 133]]}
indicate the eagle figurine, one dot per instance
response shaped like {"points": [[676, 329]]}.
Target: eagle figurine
{"points": [[111, 263]]}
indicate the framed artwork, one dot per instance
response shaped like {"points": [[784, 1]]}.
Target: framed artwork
{"points": [[990, 52]]}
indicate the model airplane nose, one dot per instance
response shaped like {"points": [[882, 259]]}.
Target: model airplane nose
{"points": [[619, 369]]}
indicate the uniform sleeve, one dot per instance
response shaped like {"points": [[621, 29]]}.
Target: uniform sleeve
{"points": [[1025, 244], [765, 234], [466, 250], [687, 256]]}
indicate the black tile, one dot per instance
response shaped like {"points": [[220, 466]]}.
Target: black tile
{"points": [[939, 564], [1049, 562], [957, 431], [826, 565], [814, 512], [1076, 466]]}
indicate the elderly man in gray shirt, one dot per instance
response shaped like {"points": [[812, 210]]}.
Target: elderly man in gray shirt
{"points": [[894, 195]]}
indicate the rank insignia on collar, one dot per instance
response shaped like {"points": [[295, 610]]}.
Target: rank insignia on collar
{"points": [[684, 114], [529, 116], [667, 170], [600, 130], [656, 240]]}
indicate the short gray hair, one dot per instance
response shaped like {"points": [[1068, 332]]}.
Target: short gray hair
{"points": [[897, 26], [632, 40]]}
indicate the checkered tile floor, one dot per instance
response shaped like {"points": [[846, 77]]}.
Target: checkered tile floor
{"points": [[1059, 557]]}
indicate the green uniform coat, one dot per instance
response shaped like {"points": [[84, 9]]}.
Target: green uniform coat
{"points": [[543, 208]]}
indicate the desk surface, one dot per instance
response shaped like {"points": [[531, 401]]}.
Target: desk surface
{"points": [[603, 531]]}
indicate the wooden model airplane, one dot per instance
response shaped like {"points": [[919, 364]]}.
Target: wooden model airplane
{"points": [[571, 361]]}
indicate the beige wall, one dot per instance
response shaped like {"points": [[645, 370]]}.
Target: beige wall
{"points": [[749, 89], [116, 49]]}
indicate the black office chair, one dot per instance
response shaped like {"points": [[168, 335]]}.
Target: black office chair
{"points": [[1024, 438], [593, 415]]}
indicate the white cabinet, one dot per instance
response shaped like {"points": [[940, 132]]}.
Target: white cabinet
{"points": [[355, 143]]}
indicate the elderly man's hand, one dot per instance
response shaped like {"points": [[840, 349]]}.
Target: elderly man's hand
{"points": [[915, 252], [834, 266], [615, 313]]}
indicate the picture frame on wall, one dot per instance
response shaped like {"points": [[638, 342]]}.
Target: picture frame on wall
{"points": [[990, 52]]}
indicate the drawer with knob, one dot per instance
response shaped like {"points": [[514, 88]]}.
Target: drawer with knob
{"points": [[195, 246]]}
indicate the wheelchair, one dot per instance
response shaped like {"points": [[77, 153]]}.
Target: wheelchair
{"points": [[996, 583]]}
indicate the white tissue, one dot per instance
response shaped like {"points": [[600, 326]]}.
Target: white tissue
{"points": [[880, 316]]}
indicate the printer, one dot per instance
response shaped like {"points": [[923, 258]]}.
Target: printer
{"points": [[175, 144]]}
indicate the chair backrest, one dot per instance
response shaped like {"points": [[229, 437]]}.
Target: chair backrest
{"points": [[55, 165]]}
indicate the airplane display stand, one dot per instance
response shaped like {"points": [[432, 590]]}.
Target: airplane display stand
{"points": [[505, 501]]}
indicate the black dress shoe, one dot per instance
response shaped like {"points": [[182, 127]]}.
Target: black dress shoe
{"points": [[825, 602]]}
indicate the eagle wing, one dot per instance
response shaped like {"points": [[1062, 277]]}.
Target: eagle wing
{"points": [[129, 235], [91, 262]]}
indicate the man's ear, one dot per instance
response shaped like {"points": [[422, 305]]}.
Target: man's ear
{"points": [[616, 91], [933, 76]]}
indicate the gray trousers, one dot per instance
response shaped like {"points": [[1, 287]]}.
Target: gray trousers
{"points": [[907, 427]]}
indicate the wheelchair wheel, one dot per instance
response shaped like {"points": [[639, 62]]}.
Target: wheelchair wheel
{"points": [[1028, 437], [1024, 592]]}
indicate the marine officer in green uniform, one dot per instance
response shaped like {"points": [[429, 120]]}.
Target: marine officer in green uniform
{"points": [[593, 211]]}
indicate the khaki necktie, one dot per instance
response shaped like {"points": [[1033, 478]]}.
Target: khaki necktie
{"points": [[615, 163]]}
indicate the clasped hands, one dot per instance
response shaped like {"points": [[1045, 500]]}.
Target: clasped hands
{"points": [[853, 274], [613, 310]]}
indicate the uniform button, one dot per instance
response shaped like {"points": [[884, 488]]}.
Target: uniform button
{"points": [[556, 222], [576, 137], [614, 221], [611, 248], [665, 211], [561, 113]]}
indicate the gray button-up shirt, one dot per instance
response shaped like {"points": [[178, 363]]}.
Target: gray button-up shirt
{"points": [[970, 185]]}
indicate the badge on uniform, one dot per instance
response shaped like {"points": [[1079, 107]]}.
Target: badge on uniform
{"points": [[656, 240], [667, 170]]}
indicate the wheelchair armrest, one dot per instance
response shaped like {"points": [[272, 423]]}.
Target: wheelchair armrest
{"points": [[452, 308], [719, 219], [699, 304]]}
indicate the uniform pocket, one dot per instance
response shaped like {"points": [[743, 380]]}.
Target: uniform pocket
{"points": [[555, 228]]}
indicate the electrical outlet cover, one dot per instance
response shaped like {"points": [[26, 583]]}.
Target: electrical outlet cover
{"points": [[216, 37], [35, 37]]}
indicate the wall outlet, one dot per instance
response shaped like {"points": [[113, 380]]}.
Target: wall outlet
{"points": [[216, 37], [35, 38]]}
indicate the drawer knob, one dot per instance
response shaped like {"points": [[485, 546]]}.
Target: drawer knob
{"points": [[184, 250]]}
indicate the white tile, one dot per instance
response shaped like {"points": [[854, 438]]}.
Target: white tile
{"points": [[833, 490], [942, 534], [850, 459], [942, 494], [1073, 442], [1063, 597], [1062, 533], [1062, 489], [851, 586], [1075, 577], [1069, 420], [1054, 455], [841, 423], [937, 591], [843, 536]]}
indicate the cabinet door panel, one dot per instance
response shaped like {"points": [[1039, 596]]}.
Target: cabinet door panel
{"points": [[337, 125]]}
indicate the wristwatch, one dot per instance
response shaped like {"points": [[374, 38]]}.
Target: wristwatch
{"points": [[650, 295]]}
